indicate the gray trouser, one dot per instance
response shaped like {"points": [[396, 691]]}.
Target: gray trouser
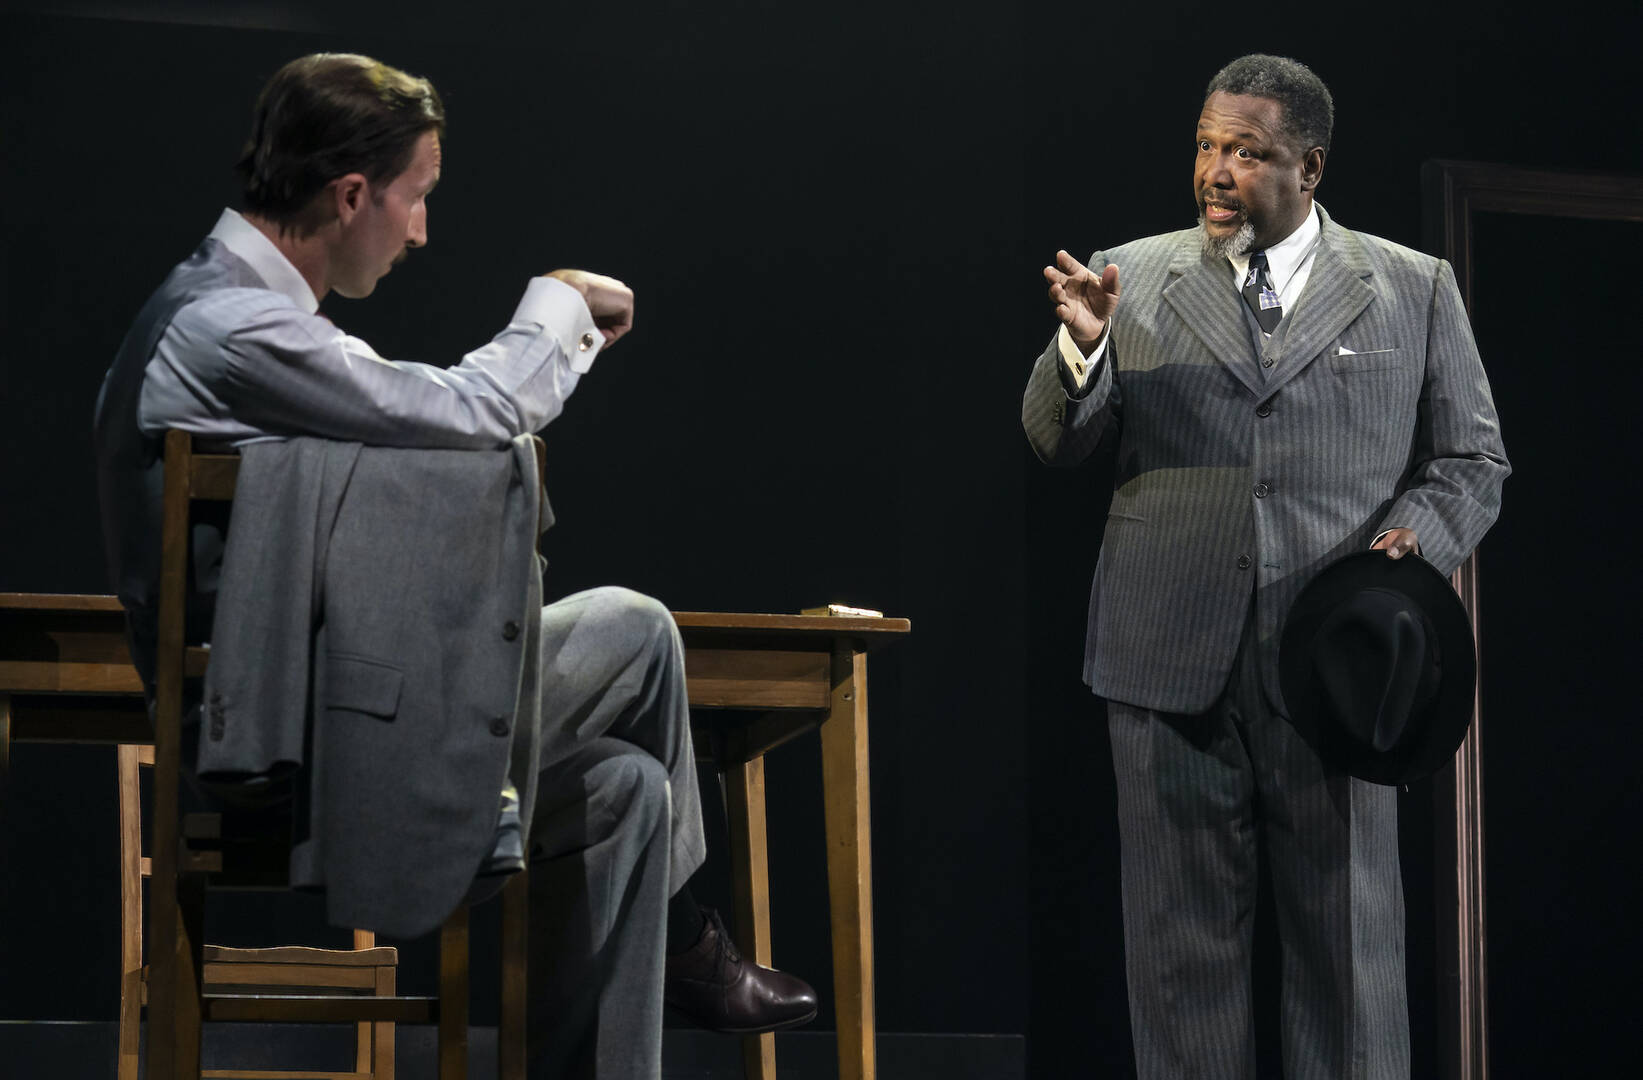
{"points": [[616, 830], [1196, 794]]}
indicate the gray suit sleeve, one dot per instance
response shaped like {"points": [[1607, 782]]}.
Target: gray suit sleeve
{"points": [[1459, 462], [242, 363]]}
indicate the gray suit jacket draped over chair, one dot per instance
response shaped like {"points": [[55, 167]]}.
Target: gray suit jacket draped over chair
{"points": [[393, 598], [1237, 478]]}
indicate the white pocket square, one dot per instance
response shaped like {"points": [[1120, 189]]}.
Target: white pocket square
{"points": [[1344, 351]]}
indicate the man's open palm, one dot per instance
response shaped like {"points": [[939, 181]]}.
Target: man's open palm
{"points": [[1083, 300]]}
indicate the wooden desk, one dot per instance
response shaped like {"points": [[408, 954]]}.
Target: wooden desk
{"points": [[65, 674], [760, 680], [767, 679]]}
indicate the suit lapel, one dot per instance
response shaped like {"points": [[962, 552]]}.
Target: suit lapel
{"points": [[1202, 295], [1336, 293]]}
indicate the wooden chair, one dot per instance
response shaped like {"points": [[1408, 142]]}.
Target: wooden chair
{"points": [[364, 969], [183, 989]]}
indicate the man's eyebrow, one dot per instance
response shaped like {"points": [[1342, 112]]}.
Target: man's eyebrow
{"points": [[1242, 136]]}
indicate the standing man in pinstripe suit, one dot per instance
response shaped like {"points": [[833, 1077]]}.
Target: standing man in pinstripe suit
{"points": [[1279, 391]]}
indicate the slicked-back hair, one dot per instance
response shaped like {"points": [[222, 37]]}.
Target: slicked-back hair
{"points": [[1309, 111], [328, 115]]}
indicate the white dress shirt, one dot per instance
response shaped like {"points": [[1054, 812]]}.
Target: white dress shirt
{"points": [[1289, 264], [242, 364]]}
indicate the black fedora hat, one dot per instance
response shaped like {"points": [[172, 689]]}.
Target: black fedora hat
{"points": [[1377, 667]]}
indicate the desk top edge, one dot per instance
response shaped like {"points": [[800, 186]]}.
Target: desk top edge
{"points": [[11, 601], [687, 620], [817, 624]]}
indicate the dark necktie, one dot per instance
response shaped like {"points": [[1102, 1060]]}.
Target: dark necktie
{"points": [[1259, 296]]}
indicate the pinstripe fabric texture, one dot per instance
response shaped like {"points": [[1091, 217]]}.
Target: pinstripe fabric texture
{"points": [[1243, 469], [1189, 785], [1236, 478]]}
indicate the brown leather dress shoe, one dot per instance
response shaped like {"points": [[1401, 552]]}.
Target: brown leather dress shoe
{"points": [[712, 985]]}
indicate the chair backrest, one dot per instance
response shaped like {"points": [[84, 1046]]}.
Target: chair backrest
{"points": [[175, 907]]}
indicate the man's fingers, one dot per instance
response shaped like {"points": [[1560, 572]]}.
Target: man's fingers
{"points": [[1069, 265], [1396, 543], [1109, 279]]}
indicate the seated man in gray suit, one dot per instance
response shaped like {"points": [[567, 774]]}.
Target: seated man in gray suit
{"points": [[342, 155], [1337, 404]]}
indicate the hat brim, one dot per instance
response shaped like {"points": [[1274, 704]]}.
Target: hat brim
{"points": [[1435, 732]]}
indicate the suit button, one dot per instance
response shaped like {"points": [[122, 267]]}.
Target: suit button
{"points": [[1245, 562], [510, 630], [585, 344], [1262, 491], [1266, 363], [1263, 409], [499, 726]]}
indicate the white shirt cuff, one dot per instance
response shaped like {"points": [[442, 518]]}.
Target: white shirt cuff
{"points": [[560, 310], [1079, 366]]}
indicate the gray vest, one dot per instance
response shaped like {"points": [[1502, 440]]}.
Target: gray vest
{"points": [[130, 474]]}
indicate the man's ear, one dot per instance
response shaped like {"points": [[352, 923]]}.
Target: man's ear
{"points": [[349, 194], [1312, 168]]}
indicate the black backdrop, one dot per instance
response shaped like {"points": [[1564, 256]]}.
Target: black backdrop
{"points": [[833, 218]]}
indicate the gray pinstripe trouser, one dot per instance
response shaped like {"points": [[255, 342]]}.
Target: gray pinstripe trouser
{"points": [[1196, 795], [617, 830]]}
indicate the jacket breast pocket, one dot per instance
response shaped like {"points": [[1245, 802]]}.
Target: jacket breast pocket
{"points": [[361, 685], [1373, 360]]}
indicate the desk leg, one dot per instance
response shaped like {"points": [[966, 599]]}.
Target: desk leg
{"points": [[750, 879], [5, 752], [849, 863], [131, 910]]}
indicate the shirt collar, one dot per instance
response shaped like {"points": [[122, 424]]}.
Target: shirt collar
{"points": [[1286, 256], [246, 241]]}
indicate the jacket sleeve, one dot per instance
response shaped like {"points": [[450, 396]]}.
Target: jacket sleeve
{"points": [[1458, 462]]}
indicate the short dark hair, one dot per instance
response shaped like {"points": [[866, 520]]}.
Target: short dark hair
{"points": [[326, 115], [1309, 111]]}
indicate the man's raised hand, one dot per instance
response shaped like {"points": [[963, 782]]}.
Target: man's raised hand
{"points": [[609, 301], [1083, 300]]}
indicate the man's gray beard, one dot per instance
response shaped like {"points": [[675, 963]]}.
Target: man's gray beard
{"points": [[1226, 247]]}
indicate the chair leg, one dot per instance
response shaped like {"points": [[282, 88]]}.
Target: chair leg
{"points": [[510, 1029], [381, 1062], [191, 958], [453, 996], [374, 1042], [750, 882], [175, 915]]}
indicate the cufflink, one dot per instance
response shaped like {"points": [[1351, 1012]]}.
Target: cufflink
{"points": [[586, 343]]}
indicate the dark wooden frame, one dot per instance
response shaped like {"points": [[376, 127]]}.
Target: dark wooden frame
{"points": [[1453, 191]]}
